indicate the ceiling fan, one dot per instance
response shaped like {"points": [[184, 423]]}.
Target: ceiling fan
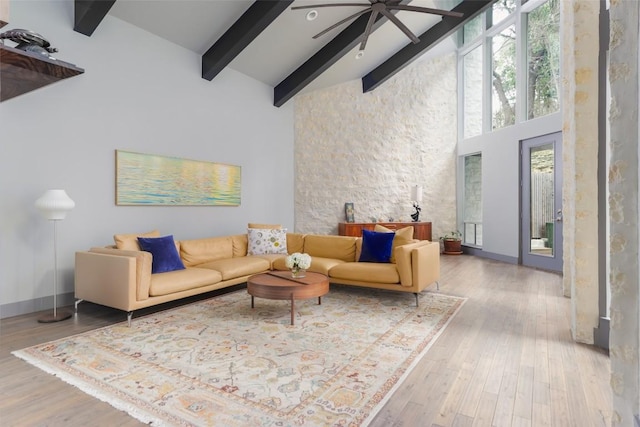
{"points": [[377, 7]]}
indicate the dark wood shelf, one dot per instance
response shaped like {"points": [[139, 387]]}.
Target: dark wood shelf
{"points": [[421, 230], [22, 72]]}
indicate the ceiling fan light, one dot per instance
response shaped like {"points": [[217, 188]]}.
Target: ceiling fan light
{"points": [[312, 15], [360, 54]]}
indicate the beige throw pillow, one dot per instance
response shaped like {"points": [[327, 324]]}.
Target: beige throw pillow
{"points": [[402, 237], [129, 242]]}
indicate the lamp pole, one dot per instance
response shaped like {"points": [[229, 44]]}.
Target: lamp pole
{"points": [[54, 205]]}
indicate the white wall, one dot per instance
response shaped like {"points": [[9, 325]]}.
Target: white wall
{"points": [[501, 180], [138, 93]]}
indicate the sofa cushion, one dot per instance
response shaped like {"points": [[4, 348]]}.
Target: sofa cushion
{"points": [[232, 268], [403, 236], [325, 246], [366, 272], [182, 280], [376, 247], [240, 244], [318, 264], [129, 242], [199, 251], [295, 242], [164, 253], [267, 241]]}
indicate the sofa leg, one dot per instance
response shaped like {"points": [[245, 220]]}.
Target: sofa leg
{"points": [[416, 294], [129, 316], [78, 301]]}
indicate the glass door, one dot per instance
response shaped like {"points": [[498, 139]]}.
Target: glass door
{"points": [[541, 195]]}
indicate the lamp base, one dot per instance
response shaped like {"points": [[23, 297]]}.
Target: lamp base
{"points": [[50, 318]]}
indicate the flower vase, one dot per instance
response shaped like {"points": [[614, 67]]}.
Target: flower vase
{"points": [[298, 273]]}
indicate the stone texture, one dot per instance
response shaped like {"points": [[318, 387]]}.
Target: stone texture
{"points": [[580, 163], [623, 223], [371, 149]]}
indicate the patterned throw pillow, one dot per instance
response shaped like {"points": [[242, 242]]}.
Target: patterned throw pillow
{"points": [[267, 241]]}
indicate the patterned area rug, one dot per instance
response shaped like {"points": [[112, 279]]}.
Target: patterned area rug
{"points": [[218, 362]]}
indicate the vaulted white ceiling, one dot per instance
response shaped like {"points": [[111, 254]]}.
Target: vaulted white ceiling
{"points": [[287, 42]]}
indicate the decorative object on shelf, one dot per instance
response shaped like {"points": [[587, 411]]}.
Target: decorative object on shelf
{"points": [[298, 263], [375, 8], [416, 197], [452, 243], [29, 42], [54, 205], [349, 212]]}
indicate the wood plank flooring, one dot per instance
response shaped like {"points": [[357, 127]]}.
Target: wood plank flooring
{"points": [[506, 359]]}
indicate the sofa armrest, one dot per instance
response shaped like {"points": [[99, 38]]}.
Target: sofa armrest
{"points": [[418, 263], [112, 277]]}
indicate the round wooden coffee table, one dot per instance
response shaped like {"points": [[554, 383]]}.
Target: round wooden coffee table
{"points": [[279, 285]]}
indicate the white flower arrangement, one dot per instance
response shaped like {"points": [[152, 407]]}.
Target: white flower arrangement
{"points": [[298, 261]]}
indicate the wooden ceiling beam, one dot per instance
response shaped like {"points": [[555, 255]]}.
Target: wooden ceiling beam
{"points": [[88, 14], [428, 39], [258, 17], [323, 59]]}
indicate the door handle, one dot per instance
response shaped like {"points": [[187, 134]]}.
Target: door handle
{"points": [[559, 216]]}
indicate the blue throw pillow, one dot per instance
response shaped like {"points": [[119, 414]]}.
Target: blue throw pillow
{"points": [[376, 247], [164, 254]]}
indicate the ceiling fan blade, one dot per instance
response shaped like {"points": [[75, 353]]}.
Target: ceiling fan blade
{"points": [[426, 10], [313, 6], [337, 24], [367, 30], [400, 25]]}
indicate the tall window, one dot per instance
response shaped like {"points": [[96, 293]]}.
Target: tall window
{"points": [[472, 70], [503, 98], [509, 61], [501, 10], [472, 207], [472, 29], [543, 59]]}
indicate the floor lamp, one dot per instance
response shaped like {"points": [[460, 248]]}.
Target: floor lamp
{"points": [[54, 205]]}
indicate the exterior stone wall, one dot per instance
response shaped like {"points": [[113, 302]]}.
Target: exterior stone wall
{"points": [[624, 339], [580, 163], [371, 149]]}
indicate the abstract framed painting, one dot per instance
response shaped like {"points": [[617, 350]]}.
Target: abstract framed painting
{"points": [[153, 180]]}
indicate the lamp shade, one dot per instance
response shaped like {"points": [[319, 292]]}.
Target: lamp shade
{"points": [[416, 193], [54, 204]]}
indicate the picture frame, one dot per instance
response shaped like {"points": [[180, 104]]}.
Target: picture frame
{"points": [[153, 180], [349, 212]]}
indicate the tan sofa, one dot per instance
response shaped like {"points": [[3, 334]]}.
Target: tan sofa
{"points": [[122, 279]]}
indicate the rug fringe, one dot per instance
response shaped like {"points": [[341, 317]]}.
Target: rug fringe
{"points": [[118, 404]]}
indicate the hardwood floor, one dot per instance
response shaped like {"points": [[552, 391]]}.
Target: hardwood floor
{"points": [[506, 359]]}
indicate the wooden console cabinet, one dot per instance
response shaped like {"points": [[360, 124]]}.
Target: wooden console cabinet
{"points": [[421, 230]]}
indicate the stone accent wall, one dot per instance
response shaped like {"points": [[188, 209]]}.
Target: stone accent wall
{"points": [[580, 163], [371, 149], [624, 216]]}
